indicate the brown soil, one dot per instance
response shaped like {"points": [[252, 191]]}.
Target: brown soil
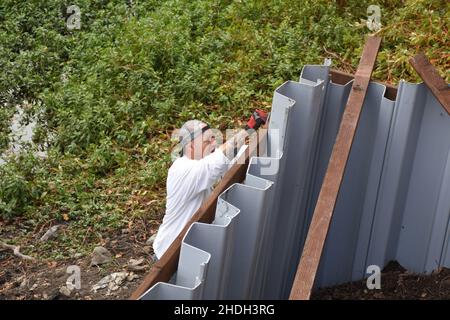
{"points": [[20, 279], [396, 283]]}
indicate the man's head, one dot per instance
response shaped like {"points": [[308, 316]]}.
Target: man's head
{"points": [[197, 139]]}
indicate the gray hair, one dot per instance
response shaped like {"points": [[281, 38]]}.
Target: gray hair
{"points": [[189, 131]]}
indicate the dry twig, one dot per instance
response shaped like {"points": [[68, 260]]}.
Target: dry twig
{"points": [[16, 251]]}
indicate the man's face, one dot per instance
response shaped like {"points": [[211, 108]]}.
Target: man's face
{"points": [[208, 143], [203, 145]]}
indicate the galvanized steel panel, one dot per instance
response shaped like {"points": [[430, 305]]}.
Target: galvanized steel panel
{"points": [[393, 204]]}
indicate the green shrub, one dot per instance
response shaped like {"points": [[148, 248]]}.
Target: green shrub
{"points": [[108, 95]]}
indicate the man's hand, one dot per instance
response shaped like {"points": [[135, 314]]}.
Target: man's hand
{"points": [[232, 145], [257, 119]]}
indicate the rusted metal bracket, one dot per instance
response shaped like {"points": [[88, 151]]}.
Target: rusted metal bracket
{"points": [[315, 241], [164, 268], [432, 79]]}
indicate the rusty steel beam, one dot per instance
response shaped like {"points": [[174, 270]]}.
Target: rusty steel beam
{"points": [[432, 79], [315, 241], [164, 268]]}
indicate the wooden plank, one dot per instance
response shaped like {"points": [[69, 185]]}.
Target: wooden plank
{"points": [[164, 268], [315, 241], [432, 79]]}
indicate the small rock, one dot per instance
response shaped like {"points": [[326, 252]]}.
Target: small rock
{"points": [[100, 255], [112, 281], [136, 262], [151, 240], [103, 283], [119, 277], [423, 295], [51, 233], [113, 287], [65, 291], [78, 255], [125, 231], [131, 276], [136, 265]]}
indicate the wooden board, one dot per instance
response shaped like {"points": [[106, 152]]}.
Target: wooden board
{"points": [[432, 79], [315, 241]]}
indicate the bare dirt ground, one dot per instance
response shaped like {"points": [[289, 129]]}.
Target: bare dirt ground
{"points": [[396, 283], [42, 280]]}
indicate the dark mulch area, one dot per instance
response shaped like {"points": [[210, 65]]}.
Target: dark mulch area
{"points": [[396, 283]]}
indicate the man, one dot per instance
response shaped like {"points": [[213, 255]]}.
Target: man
{"points": [[191, 176]]}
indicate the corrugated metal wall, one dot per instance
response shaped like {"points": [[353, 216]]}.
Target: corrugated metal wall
{"points": [[394, 202]]}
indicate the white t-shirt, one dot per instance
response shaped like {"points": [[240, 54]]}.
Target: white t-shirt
{"points": [[189, 183]]}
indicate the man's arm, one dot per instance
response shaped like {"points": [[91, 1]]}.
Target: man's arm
{"points": [[208, 170], [232, 145]]}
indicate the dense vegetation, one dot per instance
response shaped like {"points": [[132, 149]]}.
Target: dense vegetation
{"points": [[108, 95]]}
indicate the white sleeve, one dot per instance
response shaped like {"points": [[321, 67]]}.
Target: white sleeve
{"points": [[238, 155], [208, 170]]}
